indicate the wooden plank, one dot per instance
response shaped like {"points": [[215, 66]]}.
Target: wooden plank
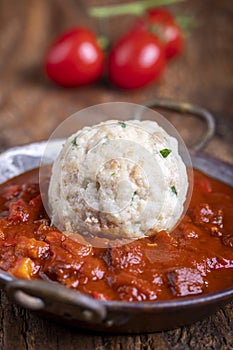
{"points": [[31, 107]]}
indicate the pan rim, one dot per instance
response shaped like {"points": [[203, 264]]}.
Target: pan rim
{"points": [[223, 295]]}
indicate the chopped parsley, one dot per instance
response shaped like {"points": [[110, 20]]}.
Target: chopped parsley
{"points": [[173, 189], [134, 194], [122, 124], [74, 141], [165, 152], [113, 174]]}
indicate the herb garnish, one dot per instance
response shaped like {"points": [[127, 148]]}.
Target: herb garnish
{"points": [[122, 124], [74, 141], [165, 152], [112, 174], [134, 194], [173, 189]]}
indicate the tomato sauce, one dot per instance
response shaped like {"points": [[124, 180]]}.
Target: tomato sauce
{"points": [[196, 258]]}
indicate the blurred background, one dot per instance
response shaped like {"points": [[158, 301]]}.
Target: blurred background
{"points": [[31, 106]]}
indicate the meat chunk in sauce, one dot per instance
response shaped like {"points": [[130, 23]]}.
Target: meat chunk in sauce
{"points": [[185, 281]]}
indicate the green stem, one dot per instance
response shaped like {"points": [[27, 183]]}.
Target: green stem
{"points": [[133, 8], [103, 42], [186, 23]]}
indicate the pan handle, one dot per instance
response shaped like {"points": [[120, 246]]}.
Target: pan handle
{"points": [[184, 107], [5, 278], [55, 299]]}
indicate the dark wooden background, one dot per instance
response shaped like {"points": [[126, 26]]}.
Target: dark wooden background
{"points": [[31, 107]]}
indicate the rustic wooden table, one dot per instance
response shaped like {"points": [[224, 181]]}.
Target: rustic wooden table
{"points": [[31, 107]]}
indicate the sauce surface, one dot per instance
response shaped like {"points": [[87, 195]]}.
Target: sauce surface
{"points": [[196, 258]]}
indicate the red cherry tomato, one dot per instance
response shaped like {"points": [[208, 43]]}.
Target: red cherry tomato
{"points": [[168, 31], [163, 24], [75, 59], [161, 15], [136, 60]]}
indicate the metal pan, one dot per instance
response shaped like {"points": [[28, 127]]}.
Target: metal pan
{"points": [[58, 302]]}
